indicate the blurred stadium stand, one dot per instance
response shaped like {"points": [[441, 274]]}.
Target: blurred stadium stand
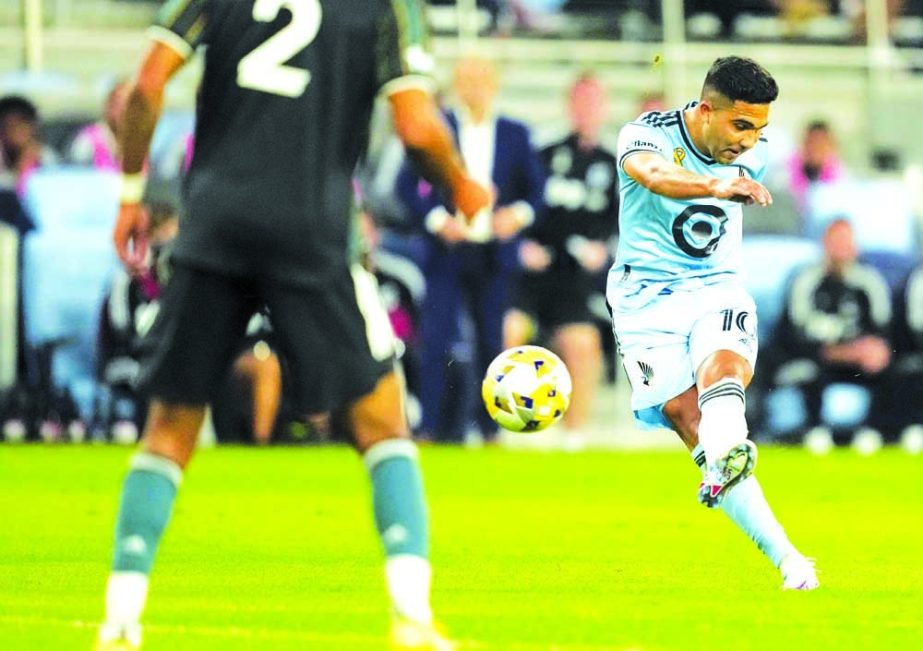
{"points": [[870, 96], [68, 261]]}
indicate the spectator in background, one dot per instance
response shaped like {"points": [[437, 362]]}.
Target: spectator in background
{"points": [[837, 325], [21, 149], [564, 253], [911, 364], [652, 101], [817, 161], [470, 265], [97, 144]]}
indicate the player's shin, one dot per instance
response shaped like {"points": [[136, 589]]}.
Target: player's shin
{"points": [[402, 522], [747, 508], [723, 422], [148, 494]]}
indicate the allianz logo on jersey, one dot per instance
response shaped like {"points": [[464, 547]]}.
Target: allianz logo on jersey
{"points": [[644, 144]]}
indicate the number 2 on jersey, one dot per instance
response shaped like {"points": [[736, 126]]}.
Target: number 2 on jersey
{"points": [[264, 68]]}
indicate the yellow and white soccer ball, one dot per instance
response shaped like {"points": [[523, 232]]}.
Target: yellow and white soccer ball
{"points": [[526, 389]]}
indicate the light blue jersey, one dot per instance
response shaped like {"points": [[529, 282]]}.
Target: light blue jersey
{"points": [[676, 242]]}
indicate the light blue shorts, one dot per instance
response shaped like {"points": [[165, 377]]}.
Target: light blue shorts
{"points": [[664, 341]]}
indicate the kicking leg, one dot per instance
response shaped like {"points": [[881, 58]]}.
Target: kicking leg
{"points": [[382, 437], [746, 505], [148, 494]]}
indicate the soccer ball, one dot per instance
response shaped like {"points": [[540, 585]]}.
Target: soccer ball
{"points": [[526, 389]]}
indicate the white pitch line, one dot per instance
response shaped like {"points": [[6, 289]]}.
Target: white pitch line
{"points": [[282, 634]]}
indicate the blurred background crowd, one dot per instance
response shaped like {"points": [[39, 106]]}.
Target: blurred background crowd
{"points": [[535, 91]]}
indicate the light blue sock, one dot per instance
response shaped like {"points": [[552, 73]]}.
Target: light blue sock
{"points": [[397, 496], [147, 502], [747, 507]]}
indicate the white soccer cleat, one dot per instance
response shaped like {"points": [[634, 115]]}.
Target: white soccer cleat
{"points": [[409, 635], [726, 472], [114, 637], [798, 573]]}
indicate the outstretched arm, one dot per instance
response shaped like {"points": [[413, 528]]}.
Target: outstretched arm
{"points": [[665, 178]]}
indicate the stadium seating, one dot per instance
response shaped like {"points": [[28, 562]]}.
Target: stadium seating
{"points": [[880, 211], [67, 263]]}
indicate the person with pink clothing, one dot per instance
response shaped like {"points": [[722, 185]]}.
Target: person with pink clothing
{"points": [[97, 144], [817, 161]]}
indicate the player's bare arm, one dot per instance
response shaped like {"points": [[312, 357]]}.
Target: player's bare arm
{"points": [[142, 111], [668, 179], [423, 132]]}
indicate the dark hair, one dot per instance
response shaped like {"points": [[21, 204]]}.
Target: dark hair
{"points": [[817, 125], [741, 79], [18, 105]]}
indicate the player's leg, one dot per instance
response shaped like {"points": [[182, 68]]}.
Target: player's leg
{"points": [[381, 435], [746, 505], [730, 457], [723, 350], [188, 349], [341, 348]]}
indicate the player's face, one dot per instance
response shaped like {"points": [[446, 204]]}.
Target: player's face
{"points": [[734, 127]]}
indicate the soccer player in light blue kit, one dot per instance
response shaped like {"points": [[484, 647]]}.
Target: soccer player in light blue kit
{"points": [[685, 326]]}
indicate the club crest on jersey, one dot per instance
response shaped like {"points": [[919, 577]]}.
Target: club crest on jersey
{"points": [[679, 155], [647, 373]]}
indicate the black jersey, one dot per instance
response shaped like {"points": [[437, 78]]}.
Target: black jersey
{"points": [[282, 117], [581, 195]]}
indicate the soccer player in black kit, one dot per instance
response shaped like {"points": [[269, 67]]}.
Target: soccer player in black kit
{"points": [[565, 252], [282, 118]]}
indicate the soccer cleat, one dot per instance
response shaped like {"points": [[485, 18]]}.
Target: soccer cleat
{"points": [[118, 638], [726, 472], [408, 635], [798, 573]]}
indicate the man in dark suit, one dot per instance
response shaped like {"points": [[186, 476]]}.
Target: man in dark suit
{"points": [[469, 266]]}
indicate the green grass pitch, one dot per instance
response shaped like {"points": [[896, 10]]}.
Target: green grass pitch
{"points": [[274, 549]]}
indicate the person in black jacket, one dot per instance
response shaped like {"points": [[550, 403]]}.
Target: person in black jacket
{"points": [[563, 254], [838, 325]]}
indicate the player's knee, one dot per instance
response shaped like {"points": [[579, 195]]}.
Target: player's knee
{"points": [[724, 365], [380, 415], [172, 431]]}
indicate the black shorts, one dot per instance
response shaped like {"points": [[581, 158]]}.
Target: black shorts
{"points": [[325, 337], [553, 299]]}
